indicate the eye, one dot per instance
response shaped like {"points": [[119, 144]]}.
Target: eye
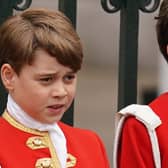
{"points": [[46, 80], [69, 78]]}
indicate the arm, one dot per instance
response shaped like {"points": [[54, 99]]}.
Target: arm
{"points": [[135, 148]]}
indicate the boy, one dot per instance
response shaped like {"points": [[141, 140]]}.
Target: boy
{"points": [[143, 138], [40, 55]]}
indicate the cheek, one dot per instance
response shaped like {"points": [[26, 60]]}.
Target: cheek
{"points": [[72, 92], [36, 96], [35, 89]]}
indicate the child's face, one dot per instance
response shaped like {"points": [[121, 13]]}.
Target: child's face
{"points": [[45, 89]]}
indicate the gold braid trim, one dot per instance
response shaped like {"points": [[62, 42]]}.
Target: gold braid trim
{"points": [[14, 123], [45, 135], [71, 160]]}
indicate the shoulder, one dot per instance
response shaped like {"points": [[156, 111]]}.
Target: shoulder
{"points": [[75, 130], [79, 134], [134, 117], [158, 107], [6, 129], [132, 125], [83, 139], [3, 124], [6, 132]]}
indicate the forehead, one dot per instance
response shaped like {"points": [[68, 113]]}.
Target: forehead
{"points": [[44, 62], [41, 57]]}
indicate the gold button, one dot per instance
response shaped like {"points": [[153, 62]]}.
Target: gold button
{"points": [[44, 163], [71, 161], [36, 142]]}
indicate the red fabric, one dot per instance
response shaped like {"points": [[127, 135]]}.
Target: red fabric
{"points": [[86, 146], [82, 144], [135, 148]]}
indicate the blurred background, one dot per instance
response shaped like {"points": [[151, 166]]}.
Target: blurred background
{"points": [[97, 91]]}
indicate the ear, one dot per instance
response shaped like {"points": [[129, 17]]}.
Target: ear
{"points": [[8, 76]]}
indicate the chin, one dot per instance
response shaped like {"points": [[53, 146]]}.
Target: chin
{"points": [[52, 121]]}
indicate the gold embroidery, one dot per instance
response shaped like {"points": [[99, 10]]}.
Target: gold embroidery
{"points": [[36, 142], [40, 141], [53, 152], [14, 123], [45, 135], [44, 163], [71, 161]]}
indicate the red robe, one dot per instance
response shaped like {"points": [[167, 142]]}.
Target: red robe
{"points": [[22, 147], [135, 147]]}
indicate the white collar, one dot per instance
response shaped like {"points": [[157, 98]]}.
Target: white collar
{"points": [[56, 134]]}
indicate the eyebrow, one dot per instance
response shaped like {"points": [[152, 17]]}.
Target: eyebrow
{"points": [[52, 73]]}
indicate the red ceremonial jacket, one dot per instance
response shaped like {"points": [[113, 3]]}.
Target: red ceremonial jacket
{"points": [[135, 147], [22, 147]]}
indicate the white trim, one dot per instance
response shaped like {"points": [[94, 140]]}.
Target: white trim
{"points": [[144, 114]]}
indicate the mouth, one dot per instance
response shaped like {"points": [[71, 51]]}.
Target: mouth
{"points": [[56, 109]]}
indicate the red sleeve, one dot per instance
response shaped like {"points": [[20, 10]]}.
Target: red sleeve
{"points": [[135, 148], [104, 155]]}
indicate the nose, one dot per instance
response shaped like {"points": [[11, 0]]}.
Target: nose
{"points": [[59, 90]]}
